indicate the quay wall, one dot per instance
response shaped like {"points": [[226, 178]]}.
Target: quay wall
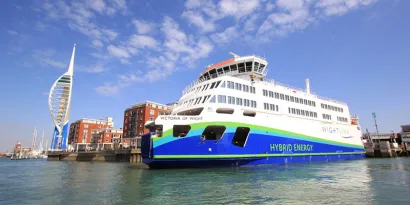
{"points": [[132, 156]]}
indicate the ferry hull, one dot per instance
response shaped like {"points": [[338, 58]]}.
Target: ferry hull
{"points": [[260, 149]]}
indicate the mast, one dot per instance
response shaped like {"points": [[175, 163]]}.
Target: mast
{"points": [[33, 145], [41, 143]]}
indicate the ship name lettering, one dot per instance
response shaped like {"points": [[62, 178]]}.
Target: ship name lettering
{"points": [[179, 118], [291, 147]]}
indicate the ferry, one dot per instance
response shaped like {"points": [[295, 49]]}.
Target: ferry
{"points": [[232, 116]]}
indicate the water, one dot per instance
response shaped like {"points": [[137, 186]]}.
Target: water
{"points": [[369, 181]]}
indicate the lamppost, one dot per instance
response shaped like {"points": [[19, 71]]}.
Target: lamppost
{"points": [[375, 122]]}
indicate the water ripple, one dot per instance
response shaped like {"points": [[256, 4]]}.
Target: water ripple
{"points": [[370, 181]]}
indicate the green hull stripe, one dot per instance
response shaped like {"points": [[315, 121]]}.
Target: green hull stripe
{"points": [[249, 155], [202, 125]]}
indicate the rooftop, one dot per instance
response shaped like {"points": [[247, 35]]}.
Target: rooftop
{"points": [[148, 103]]}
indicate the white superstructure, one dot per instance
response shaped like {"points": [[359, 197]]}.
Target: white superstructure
{"points": [[236, 91]]}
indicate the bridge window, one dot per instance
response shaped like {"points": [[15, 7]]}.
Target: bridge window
{"points": [[249, 66], [261, 68], [241, 136], [241, 67], [213, 85], [233, 67], [256, 66], [213, 132], [221, 99], [181, 130], [206, 98]]}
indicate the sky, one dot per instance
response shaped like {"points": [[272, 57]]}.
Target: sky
{"points": [[356, 51]]}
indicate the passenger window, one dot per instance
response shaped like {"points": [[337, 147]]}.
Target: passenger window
{"points": [[241, 136], [213, 132], [181, 130]]}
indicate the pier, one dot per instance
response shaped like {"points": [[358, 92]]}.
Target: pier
{"points": [[125, 155], [387, 145]]}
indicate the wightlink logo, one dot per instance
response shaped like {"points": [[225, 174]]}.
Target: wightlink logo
{"points": [[335, 130], [291, 147]]}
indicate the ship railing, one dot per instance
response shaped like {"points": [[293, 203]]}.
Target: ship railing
{"points": [[190, 86], [275, 83]]}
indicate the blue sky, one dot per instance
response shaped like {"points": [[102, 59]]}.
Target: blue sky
{"points": [[355, 51]]}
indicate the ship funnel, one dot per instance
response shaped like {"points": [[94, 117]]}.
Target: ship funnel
{"points": [[307, 81]]}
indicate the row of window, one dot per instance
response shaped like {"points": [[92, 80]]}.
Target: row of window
{"points": [[306, 113], [240, 67], [195, 101], [205, 87], [331, 107], [342, 119], [270, 107], [327, 117], [232, 100], [215, 132], [281, 96], [238, 86]]}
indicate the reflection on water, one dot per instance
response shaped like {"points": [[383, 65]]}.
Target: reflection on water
{"points": [[370, 181]]}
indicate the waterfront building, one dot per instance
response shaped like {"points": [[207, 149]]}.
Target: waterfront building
{"points": [[136, 116], [59, 101], [81, 130], [106, 135]]}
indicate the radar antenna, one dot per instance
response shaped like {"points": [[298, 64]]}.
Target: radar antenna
{"points": [[234, 55]]}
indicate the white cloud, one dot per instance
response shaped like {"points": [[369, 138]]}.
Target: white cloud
{"points": [[340, 7], [269, 6], [179, 49], [124, 61], [141, 41], [226, 36], [191, 4], [250, 24], [79, 16], [40, 26], [12, 32], [107, 89], [120, 52], [53, 63], [143, 27], [97, 44], [237, 8], [97, 5], [95, 68], [198, 20], [46, 58]]}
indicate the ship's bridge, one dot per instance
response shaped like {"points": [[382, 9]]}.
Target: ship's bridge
{"points": [[247, 65]]}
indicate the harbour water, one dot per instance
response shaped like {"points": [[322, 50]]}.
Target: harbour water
{"points": [[368, 181]]}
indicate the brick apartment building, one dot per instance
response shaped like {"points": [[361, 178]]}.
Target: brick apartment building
{"points": [[81, 130], [137, 115], [107, 135]]}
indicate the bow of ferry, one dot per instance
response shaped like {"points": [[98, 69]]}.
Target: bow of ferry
{"points": [[232, 116]]}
